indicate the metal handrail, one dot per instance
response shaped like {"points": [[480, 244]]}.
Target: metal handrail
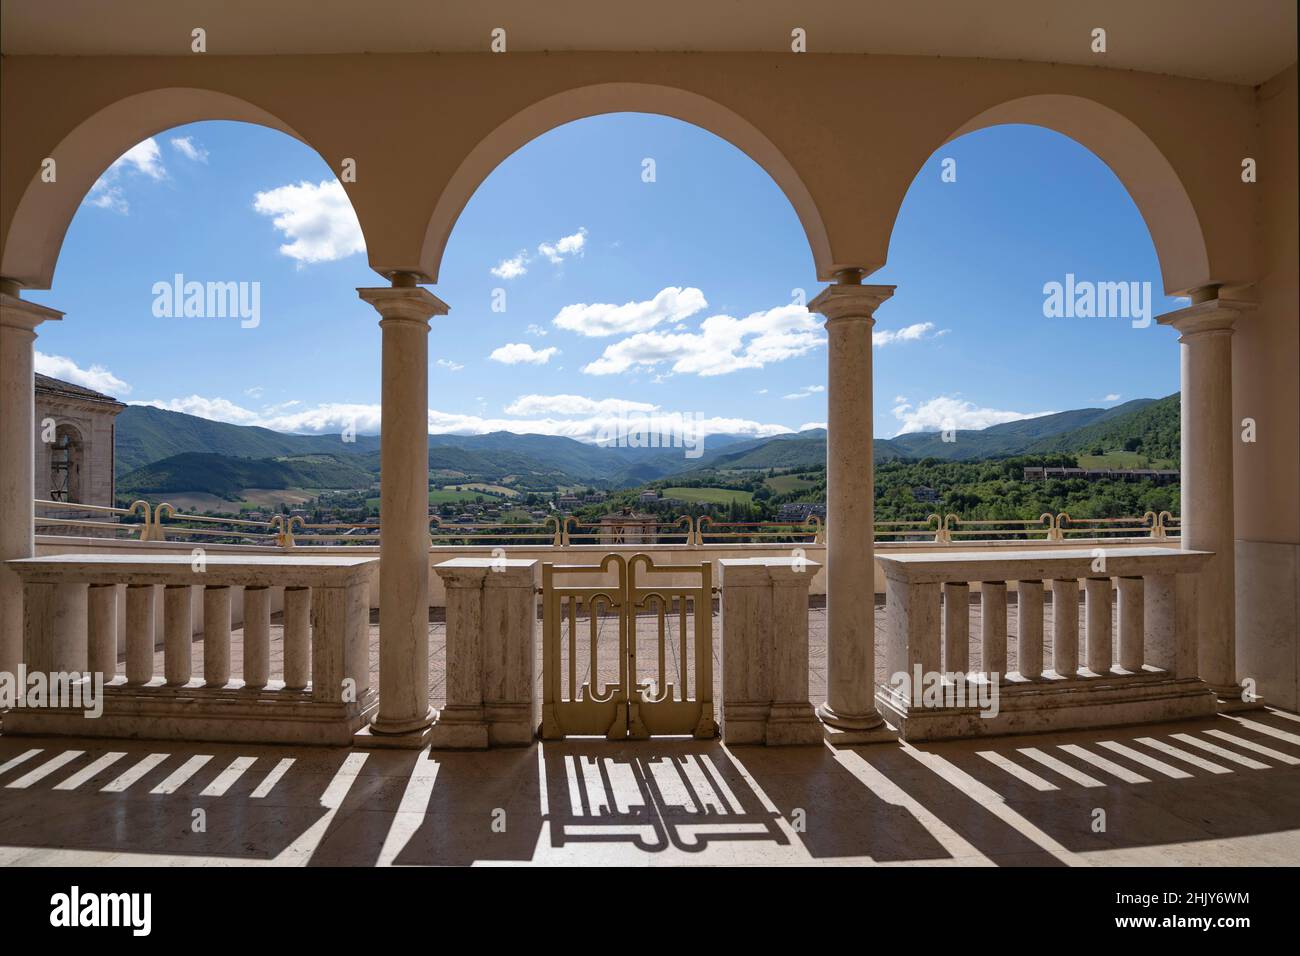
{"points": [[562, 531]]}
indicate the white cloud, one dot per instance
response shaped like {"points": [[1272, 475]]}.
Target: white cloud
{"points": [[449, 365], [564, 247], [909, 333], [96, 377], [806, 391], [535, 329], [144, 158], [1112, 397], [191, 150], [670, 305], [511, 268], [945, 412], [318, 220], [526, 405], [806, 426], [723, 344], [569, 416], [513, 353], [254, 392]]}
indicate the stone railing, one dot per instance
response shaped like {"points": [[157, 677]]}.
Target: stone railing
{"points": [[71, 627], [933, 690]]}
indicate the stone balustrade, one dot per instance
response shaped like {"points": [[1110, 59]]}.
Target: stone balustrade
{"points": [[1148, 674], [491, 618], [322, 698], [765, 651]]}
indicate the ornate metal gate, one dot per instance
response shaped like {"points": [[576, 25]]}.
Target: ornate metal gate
{"points": [[596, 686]]}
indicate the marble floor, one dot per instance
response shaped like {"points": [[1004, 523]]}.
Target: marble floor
{"points": [[1219, 791]]}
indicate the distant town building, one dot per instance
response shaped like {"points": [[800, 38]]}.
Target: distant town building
{"points": [[568, 502], [627, 527], [648, 496], [1159, 476], [75, 432], [801, 512]]}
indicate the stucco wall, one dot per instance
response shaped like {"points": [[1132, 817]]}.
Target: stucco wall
{"points": [[1266, 387]]}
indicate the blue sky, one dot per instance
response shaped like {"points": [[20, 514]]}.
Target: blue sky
{"points": [[674, 295]]}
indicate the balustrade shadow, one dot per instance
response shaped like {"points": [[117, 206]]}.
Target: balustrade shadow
{"points": [[1008, 800], [158, 798], [841, 816], [1038, 799]]}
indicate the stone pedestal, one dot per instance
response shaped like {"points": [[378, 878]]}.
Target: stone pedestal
{"points": [[849, 712], [765, 651], [491, 643]]}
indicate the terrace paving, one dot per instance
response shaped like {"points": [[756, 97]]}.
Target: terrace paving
{"points": [[1221, 791]]}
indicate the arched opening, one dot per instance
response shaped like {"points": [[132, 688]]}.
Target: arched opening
{"points": [[1046, 385], [646, 269], [606, 98], [1136, 161], [66, 456], [40, 221]]}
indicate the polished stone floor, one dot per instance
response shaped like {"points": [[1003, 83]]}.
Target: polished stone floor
{"points": [[1219, 791]]}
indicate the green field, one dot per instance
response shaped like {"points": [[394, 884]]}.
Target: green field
{"points": [[709, 496], [784, 484], [440, 497], [483, 486]]}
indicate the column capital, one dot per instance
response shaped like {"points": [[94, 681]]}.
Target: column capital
{"points": [[1212, 315], [846, 300], [20, 314], [411, 304]]}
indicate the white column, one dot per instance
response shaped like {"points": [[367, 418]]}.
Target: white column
{"points": [[1208, 433], [849, 712], [18, 434], [404, 715]]}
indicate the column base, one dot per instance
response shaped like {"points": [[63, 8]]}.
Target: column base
{"points": [[398, 735], [842, 730]]}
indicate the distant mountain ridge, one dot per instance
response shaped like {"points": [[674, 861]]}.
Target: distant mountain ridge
{"points": [[195, 454]]}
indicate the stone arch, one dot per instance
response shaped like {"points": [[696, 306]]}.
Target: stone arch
{"points": [[67, 456], [43, 214], [581, 102], [1136, 160]]}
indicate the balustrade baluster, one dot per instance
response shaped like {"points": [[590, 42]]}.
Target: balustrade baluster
{"points": [[297, 637], [993, 629], [1029, 628], [101, 628], [257, 636], [1131, 613], [1065, 627], [139, 633], [216, 635], [178, 633], [1097, 603], [956, 627]]}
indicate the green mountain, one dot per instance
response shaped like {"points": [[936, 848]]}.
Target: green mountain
{"points": [[145, 435], [227, 477], [160, 451], [1147, 426], [1151, 430]]}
